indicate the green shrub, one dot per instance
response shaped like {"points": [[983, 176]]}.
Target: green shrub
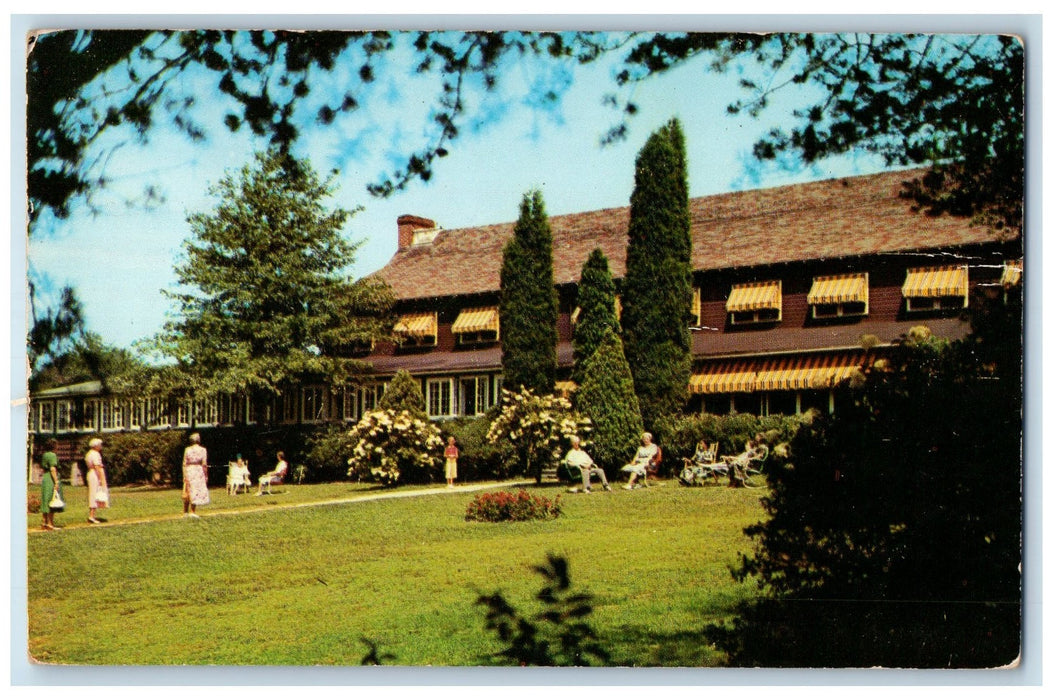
{"points": [[32, 502], [606, 397], [395, 447], [535, 427], [679, 434], [479, 459], [328, 450], [503, 506]]}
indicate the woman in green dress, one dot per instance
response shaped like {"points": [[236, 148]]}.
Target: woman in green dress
{"points": [[49, 483]]}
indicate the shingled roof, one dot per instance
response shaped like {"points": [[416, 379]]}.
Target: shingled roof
{"points": [[826, 219]]}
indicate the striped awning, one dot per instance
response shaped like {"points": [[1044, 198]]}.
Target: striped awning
{"points": [[946, 281], [840, 289], [755, 296], [725, 378], [1012, 273], [813, 372], [418, 325], [475, 320], [696, 303], [776, 374]]}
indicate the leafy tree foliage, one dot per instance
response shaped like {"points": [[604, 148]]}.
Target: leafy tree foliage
{"points": [[529, 305], [597, 310], [54, 332], [893, 532], [87, 360], [559, 635], [606, 396], [535, 427], [266, 297], [403, 394], [657, 288], [952, 102]]}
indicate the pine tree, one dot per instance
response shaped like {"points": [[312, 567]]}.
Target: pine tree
{"points": [[266, 297], [403, 394], [596, 310], [529, 306], [656, 295], [607, 397]]}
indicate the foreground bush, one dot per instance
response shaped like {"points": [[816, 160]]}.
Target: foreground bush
{"points": [[536, 427], [679, 434], [480, 459], [503, 506]]}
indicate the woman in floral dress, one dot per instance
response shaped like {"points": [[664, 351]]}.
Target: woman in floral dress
{"points": [[195, 477]]}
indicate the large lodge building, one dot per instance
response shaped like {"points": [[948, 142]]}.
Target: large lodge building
{"points": [[787, 282]]}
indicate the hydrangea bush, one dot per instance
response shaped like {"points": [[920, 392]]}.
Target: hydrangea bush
{"points": [[537, 427], [391, 446]]}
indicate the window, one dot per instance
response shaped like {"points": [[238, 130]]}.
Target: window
{"points": [[157, 415], [112, 414], [836, 296], [183, 409], [936, 288], [476, 326], [90, 416], [417, 330], [440, 398], [754, 302], [63, 416], [206, 411], [474, 396], [46, 417], [289, 407], [348, 404], [368, 398], [312, 399]]}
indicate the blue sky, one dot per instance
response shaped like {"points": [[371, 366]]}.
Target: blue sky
{"points": [[121, 257]]}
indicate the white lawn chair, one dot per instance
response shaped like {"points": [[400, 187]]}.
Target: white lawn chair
{"points": [[237, 477]]}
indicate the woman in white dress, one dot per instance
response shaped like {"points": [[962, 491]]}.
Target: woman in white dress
{"points": [[98, 492]]}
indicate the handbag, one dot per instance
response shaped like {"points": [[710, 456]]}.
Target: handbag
{"points": [[56, 502], [102, 496]]}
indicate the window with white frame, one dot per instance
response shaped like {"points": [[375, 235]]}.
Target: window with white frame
{"points": [[157, 414], [46, 422], [90, 416], [312, 402], [136, 411], [289, 412], [474, 395], [206, 411], [440, 398], [183, 412], [348, 404], [63, 416], [836, 296], [940, 288]]}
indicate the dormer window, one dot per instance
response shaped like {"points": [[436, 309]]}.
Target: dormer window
{"points": [[417, 330], [477, 326], [837, 296], [754, 302], [937, 288]]}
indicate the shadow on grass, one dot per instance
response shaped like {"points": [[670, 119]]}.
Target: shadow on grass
{"points": [[682, 648]]}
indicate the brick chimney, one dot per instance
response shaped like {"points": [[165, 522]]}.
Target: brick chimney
{"points": [[408, 225]]}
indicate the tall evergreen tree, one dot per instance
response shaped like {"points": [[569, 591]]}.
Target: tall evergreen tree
{"points": [[608, 399], [656, 295], [266, 297], [529, 305], [596, 310], [403, 394]]}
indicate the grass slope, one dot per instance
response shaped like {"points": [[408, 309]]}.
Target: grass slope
{"points": [[305, 586]]}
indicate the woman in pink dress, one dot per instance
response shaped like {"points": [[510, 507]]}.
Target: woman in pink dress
{"points": [[195, 477], [98, 492]]}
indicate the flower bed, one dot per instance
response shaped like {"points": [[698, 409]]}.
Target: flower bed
{"points": [[504, 506]]}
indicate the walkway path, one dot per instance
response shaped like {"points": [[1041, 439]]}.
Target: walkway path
{"points": [[378, 496]]}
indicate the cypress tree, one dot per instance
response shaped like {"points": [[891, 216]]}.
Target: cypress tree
{"points": [[656, 295], [403, 394], [607, 397], [529, 305], [596, 310]]}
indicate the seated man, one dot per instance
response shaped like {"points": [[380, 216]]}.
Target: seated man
{"points": [[276, 476], [577, 457], [645, 457], [754, 449]]}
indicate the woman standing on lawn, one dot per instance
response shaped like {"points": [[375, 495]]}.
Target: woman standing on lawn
{"points": [[451, 454], [98, 492], [49, 483], [195, 477]]}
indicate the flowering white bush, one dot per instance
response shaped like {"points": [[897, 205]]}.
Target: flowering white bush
{"points": [[388, 445], [537, 426]]}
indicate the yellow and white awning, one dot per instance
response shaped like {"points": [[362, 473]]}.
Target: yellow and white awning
{"points": [[477, 320], [418, 325], [840, 289], [696, 303], [776, 374], [1012, 273], [815, 372], [725, 378], [755, 296], [576, 313], [945, 281]]}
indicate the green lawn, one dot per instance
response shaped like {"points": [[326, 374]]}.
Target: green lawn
{"points": [[304, 586]]}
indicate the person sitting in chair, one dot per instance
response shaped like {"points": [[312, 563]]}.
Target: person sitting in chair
{"points": [[276, 476], [753, 450], [577, 457], [646, 455]]}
